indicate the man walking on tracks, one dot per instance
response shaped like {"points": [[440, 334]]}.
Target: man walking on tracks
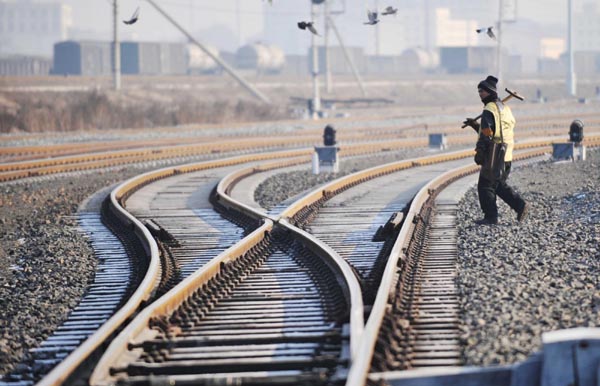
{"points": [[496, 129]]}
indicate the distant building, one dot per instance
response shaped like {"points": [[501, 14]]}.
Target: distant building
{"points": [[24, 66], [148, 58], [29, 27], [552, 48], [587, 63], [452, 32], [89, 58], [467, 59], [265, 59], [199, 62], [94, 58], [586, 29]]}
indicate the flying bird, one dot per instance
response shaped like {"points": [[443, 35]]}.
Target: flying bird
{"points": [[134, 17], [389, 10], [308, 25], [372, 15], [487, 30]]}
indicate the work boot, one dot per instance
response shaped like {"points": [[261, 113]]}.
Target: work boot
{"points": [[522, 214], [487, 221]]}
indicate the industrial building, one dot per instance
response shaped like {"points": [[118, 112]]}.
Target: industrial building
{"points": [[30, 28], [265, 59], [94, 58], [87, 58], [153, 58], [467, 59], [24, 66]]}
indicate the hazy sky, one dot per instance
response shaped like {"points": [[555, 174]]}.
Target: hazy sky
{"points": [[96, 14], [93, 18]]}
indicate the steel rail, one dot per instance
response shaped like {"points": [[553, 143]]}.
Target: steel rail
{"points": [[122, 192], [63, 370], [350, 283], [148, 286], [359, 371], [138, 328], [346, 279], [356, 376], [161, 152], [228, 182], [381, 131], [71, 164], [17, 170], [118, 197], [25, 153], [347, 181]]}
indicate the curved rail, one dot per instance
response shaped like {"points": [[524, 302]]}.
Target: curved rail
{"points": [[334, 261], [360, 367], [139, 330], [119, 194], [359, 372], [63, 370], [148, 285]]}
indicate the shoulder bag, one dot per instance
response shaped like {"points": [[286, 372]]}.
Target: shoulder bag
{"points": [[493, 167]]}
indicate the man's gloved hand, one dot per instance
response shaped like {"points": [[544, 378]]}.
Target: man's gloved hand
{"points": [[471, 122], [481, 150]]}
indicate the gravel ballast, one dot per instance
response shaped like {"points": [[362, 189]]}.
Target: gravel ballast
{"points": [[283, 186], [47, 263], [550, 280], [518, 280]]}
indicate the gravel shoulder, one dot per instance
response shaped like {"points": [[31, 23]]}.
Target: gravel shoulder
{"points": [[517, 281], [46, 263]]}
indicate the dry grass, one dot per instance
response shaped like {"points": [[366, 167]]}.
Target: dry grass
{"points": [[74, 111], [56, 104]]}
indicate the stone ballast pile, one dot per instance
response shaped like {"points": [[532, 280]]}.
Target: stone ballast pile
{"points": [[518, 280]]}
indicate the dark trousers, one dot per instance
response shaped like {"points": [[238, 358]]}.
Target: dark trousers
{"points": [[488, 190]]}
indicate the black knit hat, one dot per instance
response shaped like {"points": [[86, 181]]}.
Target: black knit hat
{"points": [[489, 84]]}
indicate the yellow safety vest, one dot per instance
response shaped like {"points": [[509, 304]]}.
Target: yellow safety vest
{"points": [[508, 125]]}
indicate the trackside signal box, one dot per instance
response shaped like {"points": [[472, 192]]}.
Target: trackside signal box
{"points": [[325, 158]]}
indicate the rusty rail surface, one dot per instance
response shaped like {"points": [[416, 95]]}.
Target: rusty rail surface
{"points": [[139, 329], [359, 372], [359, 369], [119, 195], [87, 156]]}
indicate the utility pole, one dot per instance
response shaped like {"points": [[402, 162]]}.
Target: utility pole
{"points": [[377, 50], [316, 101], [499, 37], [571, 81], [116, 48], [328, 85], [427, 24]]}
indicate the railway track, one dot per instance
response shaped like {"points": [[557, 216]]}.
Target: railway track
{"points": [[277, 247], [31, 161]]}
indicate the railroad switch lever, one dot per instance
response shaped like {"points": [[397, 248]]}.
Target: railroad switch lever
{"points": [[511, 94]]}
